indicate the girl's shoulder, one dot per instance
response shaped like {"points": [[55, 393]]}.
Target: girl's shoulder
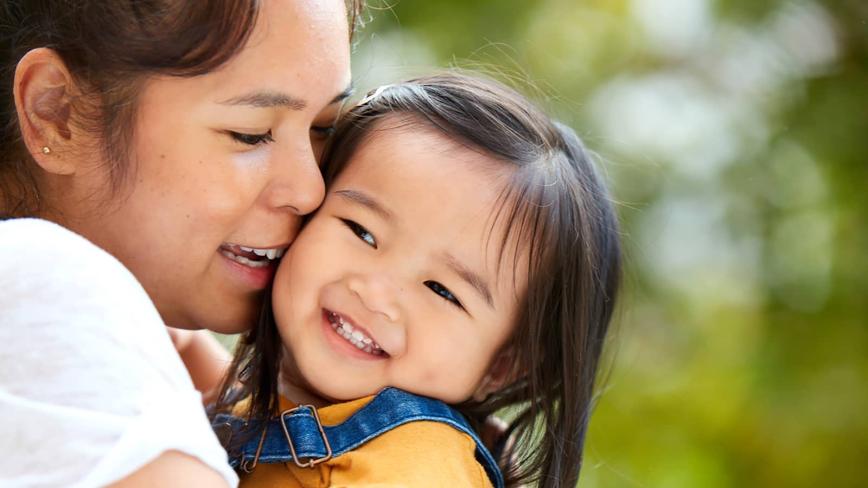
{"points": [[422, 441], [423, 453]]}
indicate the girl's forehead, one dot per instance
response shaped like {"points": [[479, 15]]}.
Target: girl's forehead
{"points": [[417, 168], [405, 146]]}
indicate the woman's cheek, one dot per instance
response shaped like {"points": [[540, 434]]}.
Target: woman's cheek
{"points": [[255, 159]]}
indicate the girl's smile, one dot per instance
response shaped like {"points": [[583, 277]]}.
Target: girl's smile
{"points": [[345, 333]]}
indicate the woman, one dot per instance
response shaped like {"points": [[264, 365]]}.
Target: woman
{"points": [[180, 137]]}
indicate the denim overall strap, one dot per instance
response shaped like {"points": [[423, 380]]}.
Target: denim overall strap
{"points": [[298, 436]]}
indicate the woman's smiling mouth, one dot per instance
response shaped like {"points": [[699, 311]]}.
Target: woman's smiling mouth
{"points": [[253, 266], [251, 256], [353, 335]]}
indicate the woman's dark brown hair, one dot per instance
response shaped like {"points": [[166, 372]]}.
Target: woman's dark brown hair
{"points": [[558, 214], [110, 47]]}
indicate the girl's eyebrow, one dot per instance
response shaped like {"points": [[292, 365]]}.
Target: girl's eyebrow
{"points": [[368, 201], [472, 278]]}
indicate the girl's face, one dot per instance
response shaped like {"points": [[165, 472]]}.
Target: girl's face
{"points": [[224, 161], [395, 282]]}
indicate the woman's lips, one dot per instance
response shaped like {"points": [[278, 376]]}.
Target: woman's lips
{"points": [[255, 267], [349, 338]]}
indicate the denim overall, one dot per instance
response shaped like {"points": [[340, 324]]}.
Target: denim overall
{"points": [[298, 436]]}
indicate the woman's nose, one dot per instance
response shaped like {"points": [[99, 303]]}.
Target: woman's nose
{"points": [[296, 181], [378, 294]]}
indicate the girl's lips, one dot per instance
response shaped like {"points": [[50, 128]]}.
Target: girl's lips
{"points": [[343, 346]]}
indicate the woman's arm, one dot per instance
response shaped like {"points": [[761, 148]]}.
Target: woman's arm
{"points": [[205, 359], [173, 469]]}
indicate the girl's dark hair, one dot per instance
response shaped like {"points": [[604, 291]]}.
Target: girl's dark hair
{"points": [[558, 213], [110, 47]]}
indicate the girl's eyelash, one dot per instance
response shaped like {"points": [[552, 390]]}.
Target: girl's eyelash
{"points": [[365, 236], [251, 139], [444, 293], [361, 233]]}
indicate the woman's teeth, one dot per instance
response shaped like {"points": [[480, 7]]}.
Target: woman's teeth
{"points": [[269, 253], [245, 261], [354, 336], [233, 252]]}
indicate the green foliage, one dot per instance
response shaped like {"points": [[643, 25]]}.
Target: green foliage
{"points": [[735, 134]]}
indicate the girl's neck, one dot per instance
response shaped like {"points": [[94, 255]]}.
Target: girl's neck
{"points": [[292, 386]]}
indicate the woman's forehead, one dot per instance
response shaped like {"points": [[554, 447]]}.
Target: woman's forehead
{"points": [[297, 47]]}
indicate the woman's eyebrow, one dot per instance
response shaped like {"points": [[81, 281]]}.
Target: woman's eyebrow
{"points": [[267, 99], [347, 93], [472, 278], [367, 201]]}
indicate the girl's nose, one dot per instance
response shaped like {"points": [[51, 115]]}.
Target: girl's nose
{"points": [[378, 294], [296, 182]]}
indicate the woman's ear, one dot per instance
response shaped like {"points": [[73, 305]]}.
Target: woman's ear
{"points": [[42, 90], [500, 374]]}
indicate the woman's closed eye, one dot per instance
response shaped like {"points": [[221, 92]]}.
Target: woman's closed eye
{"points": [[322, 132], [361, 232], [444, 293], [251, 139]]}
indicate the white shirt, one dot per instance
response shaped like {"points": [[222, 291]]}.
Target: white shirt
{"points": [[91, 388]]}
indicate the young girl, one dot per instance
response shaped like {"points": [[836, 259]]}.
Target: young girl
{"points": [[467, 251]]}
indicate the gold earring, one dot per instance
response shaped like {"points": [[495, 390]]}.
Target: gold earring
{"points": [[46, 150]]}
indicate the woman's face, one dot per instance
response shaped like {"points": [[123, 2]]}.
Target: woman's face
{"points": [[223, 163]]}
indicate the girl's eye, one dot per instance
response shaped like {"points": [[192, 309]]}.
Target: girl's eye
{"points": [[361, 233], [251, 139], [444, 293], [323, 132]]}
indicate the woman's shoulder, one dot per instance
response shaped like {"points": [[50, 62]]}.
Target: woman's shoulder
{"points": [[88, 374], [53, 243], [66, 296], [40, 258]]}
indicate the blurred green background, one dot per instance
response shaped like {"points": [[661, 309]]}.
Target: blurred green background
{"points": [[735, 136]]}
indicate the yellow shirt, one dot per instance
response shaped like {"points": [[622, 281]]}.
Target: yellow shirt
{"points": [[416, 454]]}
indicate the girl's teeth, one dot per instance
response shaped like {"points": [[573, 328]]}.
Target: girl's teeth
{"points": [[353, 336]]}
